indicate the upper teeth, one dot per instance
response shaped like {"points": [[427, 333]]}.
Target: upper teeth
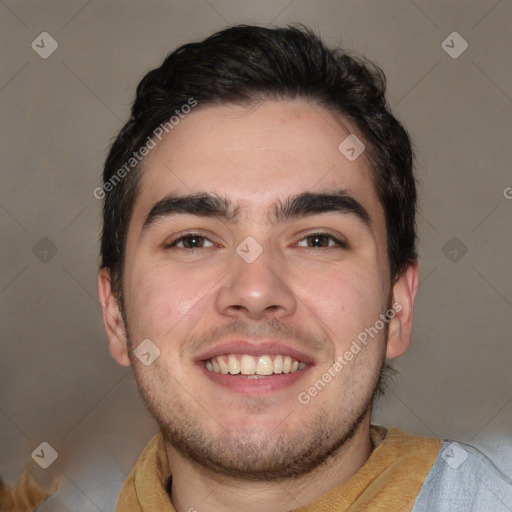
{"points": [[249, 365]]}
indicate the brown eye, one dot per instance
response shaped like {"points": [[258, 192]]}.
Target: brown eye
{"points": [[190, 241], [321, 240]]}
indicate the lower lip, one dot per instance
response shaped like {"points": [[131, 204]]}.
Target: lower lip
{"points": [[255, 386]]}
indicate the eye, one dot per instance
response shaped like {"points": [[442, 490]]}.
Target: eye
{"points": [[321, 240], [190, 241]]}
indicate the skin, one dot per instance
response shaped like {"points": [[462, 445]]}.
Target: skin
{"points": [[315, 299]]}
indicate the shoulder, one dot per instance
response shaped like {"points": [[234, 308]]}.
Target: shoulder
{"points": [[464, 479], [146, 478]]}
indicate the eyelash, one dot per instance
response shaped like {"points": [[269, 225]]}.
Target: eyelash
{"points": [[339, 243]]}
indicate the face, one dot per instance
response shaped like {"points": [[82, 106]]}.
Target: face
{"points": [[252, 292]]}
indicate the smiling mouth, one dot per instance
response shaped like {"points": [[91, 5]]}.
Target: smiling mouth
{"points": [[244, 365]]}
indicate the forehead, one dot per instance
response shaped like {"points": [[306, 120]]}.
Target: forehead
{"points": [[256, 155]]}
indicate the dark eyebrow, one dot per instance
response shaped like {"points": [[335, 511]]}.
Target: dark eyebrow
{"points": [[200, 204], [300, 205], [310, 203]]}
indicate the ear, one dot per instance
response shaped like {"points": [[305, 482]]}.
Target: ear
{"points": [[113, 319], [400, 326]]}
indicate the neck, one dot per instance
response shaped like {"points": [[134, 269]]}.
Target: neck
{"points": [[194, 487]]}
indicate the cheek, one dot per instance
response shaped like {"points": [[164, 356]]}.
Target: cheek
{"points": [[162, 300], [346, 301]]}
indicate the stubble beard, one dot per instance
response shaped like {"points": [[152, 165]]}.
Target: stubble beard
{"points": [[247, 455]]}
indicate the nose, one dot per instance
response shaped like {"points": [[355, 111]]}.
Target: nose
{"points": [[256, 289]]}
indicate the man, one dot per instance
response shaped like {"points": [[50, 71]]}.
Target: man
{"points": [[258, 267]]}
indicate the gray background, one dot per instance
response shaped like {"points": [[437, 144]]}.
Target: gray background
{"points": [[59, 114]]}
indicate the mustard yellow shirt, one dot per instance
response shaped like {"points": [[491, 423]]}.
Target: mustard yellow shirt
{"points": [[388, 481]]}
